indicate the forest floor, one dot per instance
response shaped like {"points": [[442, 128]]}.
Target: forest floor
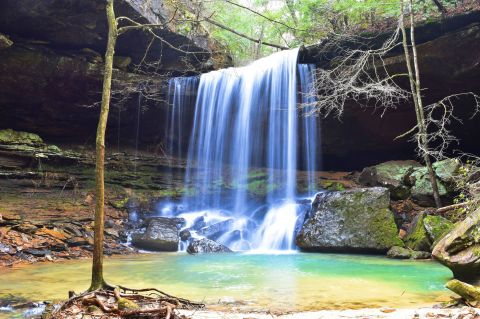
{"points": [[40, 225]]}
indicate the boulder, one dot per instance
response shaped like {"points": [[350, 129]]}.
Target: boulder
{"points": [[447, 170], [350, 221], [397, 252], [436, 227], [459, 249], [161, 235], [390, 175], [11, 137], [185, 234], [205, 245], [417, 238], [216, 230], [422, 192]]}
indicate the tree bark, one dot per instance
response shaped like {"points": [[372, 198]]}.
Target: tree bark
{"points": [[415, 87], [97, 266]]}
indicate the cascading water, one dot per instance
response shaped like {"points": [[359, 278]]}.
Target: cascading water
{"points": [[247, 136]]}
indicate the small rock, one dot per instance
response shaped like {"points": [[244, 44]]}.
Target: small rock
{"points": [[77, 241], [397, 252], [112, 232], [160, 235], [26, 228], [204, 245], [185, 234], [38, 252]]}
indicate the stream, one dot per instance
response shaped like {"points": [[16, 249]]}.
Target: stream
{"points": [[249, 282]]}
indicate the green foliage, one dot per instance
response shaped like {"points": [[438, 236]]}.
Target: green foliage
{"points": [[292, 23]]}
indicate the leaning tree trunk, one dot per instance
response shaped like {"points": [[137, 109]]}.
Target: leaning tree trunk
{"points": [[97, 266], [415, 88]]}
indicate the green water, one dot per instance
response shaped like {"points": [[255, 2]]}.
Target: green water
{"points": [[285, 282]]}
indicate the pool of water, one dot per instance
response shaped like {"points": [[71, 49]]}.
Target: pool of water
{"points": [[249, 282]]}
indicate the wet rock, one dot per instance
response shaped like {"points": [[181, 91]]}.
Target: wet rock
{"points": [[199, 223], [390, 175], [180, 222], [160, 235], [185, 234], [436, 227], [459, 249], [417, 238], [421, 255], [38, 252], [77, 241], [397, 252], [349, 221], [204, 245], [216, 230]]}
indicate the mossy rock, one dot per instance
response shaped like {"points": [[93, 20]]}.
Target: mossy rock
{"points": [[436, 227], [417, 238], [124, 304], [422, 192], [121, 203], [350, 221], [397, 252], [447, 170], [391, 174], [12, 137], [332, 186]]}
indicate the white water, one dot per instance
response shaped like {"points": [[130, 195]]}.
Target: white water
{"points": [[246, 126]]}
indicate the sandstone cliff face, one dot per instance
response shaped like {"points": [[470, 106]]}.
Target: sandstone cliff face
{"points": [[51, 63], [449, 63]]}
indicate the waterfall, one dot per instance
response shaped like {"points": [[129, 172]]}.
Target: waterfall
{"points": [[248, 136]]}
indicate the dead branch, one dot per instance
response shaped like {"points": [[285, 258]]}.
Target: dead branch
{"points": [[355, 75], [215, 23]]}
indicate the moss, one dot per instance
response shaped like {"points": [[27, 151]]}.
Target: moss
{"points": [[437, 227], [54, 149], [384, 228], [10, 136], [124, 303], [417, 238], [332, 186], [120, 204]]}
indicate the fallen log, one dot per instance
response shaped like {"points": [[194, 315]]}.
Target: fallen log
{"points": [[466, 291]]}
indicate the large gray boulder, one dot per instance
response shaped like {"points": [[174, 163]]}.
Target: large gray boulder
{"points": [[205, 245], [350, 221], [161, 235]]}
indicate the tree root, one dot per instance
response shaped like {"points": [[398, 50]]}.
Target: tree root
{"points": [[124, 302]]}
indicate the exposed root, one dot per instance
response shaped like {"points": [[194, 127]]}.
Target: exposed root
{"points": [[123, 302]]}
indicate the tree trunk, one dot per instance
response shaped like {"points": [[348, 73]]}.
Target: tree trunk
{"points": [[97, 266], [415, 87]]}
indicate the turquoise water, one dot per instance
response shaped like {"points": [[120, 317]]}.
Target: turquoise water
{"points": [[283, 282]]}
